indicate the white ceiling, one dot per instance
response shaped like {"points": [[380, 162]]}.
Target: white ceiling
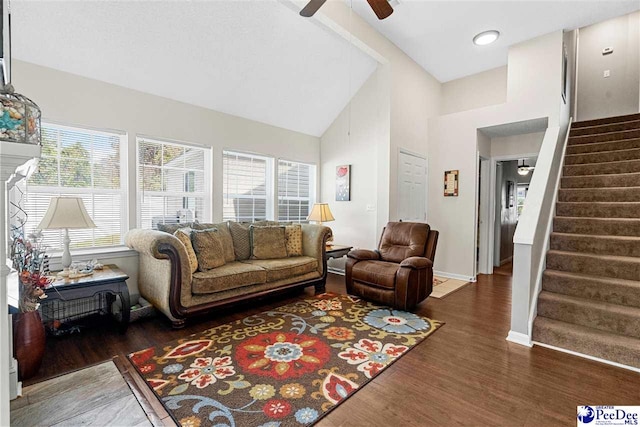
{"points": [[438, 34], [254, 59]]}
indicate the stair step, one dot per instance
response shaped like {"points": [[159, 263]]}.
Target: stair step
{"points": [[620, 267], [597, 226], [601, 181], [618, 319], [604, 137], [605, 128], [599, 245], [593, 342], [614, 291], [606, 120], [597, 147], [612, 194], [601, 157], [606, 168], [598, 209]]}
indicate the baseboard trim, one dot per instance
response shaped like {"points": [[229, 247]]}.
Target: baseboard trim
{"points": [[335, 271], [586, 356], [454, 276], [520, 338], [506, 261]]}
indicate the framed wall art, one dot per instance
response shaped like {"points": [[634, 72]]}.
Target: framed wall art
{"points": [[343, 183], [451, 183]]}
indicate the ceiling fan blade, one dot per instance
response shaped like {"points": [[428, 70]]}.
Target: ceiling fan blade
{"points": [[311, 8], [381, 8]]}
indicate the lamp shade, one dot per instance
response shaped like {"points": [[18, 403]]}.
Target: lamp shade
{"points": [[66, 212], [321, 213]]}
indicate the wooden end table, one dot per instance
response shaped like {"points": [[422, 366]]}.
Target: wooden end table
{"points": [[70, 299], [337, 251]]}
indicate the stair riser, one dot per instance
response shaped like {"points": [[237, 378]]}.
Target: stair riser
{"points": [[627, 144], [593, 210], [604, 137], [593, 245], [631, 166], [605, 121], [631, 194], [581, 343], [596, 227], [609, 156], [612, 127], [618, 323], [592, 288], [597, 267], [601, 181]]}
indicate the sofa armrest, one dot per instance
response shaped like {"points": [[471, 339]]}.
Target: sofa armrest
{"points": [[363, 254], [314, 244], [417, 263], [164, 276]]}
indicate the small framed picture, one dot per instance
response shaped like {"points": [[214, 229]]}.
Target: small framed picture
{"points": [[451, 183], [343, 183]]}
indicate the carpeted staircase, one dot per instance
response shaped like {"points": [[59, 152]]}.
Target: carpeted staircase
{"points": [[590, 298]]}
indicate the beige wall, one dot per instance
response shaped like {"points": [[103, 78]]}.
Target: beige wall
{"points": [[75, 100], [533, 91], [618, 94], [516, 145], [478, 90]]}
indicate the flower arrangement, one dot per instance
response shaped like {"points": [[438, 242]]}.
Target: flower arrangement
{"points": [[29, 258]]}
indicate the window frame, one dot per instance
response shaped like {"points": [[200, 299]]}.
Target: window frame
{"points": [[75, 191], [206, 194], [313, 185]]}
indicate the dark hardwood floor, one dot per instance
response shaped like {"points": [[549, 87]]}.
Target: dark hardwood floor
{"points": [[464, 374]]}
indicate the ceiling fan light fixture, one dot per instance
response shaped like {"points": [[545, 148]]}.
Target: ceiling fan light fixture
{"points": [[486, 37], [523, 170]]}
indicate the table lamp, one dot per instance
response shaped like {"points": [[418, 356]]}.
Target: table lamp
{"points": [[65, 213], [321, 213]]}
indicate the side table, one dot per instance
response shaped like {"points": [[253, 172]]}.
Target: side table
{"points": [[337, 251], [70, 299]]}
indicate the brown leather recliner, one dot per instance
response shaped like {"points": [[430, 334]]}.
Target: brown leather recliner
{"points": [[400, 272]]}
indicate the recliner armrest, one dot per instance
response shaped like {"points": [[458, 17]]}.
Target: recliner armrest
{"points": [[363, 254], [417, 263]]}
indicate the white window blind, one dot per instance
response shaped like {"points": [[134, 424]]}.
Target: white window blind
{"points": [[296, 190], [247, 187], [81, 163], [173, 183]]}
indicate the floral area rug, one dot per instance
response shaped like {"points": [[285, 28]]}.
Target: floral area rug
{"points": [[284, 367]]}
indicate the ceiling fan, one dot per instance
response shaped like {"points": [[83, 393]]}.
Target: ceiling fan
{"points": [[381, 8], [524, 169]]}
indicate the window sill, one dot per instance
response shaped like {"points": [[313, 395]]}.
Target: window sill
{"points": [[91, 253]]}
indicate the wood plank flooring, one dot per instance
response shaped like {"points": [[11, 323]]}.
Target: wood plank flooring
{"points": [[97, 395], [464, 374]]}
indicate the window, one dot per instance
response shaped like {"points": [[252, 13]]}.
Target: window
{"points": [[247, 187], [173, 183], [521, 196], [82, 163], [296, 190]]}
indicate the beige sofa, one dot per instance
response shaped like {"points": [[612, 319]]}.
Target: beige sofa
{"points": [[166, 281]]}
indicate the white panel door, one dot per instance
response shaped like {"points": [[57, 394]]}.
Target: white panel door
{"points": [[412, 188]]}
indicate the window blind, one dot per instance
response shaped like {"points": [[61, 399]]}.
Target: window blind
{"points": [[296, 190], [81, 163], [173, 183], [247, 187]]}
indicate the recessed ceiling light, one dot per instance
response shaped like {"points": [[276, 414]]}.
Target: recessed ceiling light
{"points": [[486, 37]]}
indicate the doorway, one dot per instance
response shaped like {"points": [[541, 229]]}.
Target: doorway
{"points": [[412, 187]]}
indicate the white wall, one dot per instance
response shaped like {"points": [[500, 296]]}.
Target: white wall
{"points": [[533, 91], [366, 149], [75, 100], [618, 94], [516, 145], [478, 90]]}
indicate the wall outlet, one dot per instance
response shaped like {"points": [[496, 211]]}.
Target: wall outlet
{"points": [[371, 208], [607, 73]]}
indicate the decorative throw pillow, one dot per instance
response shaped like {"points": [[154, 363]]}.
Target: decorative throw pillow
{"points": [[225, 238], [208, 248], [268, 242], [184, 235], [241, 240], [293, 235]]}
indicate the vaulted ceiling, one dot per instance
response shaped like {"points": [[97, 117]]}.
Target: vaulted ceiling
{"points": [[260, 60]]}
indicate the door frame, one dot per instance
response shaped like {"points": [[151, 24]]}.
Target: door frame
{"points": [[492, 202], [426, 177], [482, 230]]}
